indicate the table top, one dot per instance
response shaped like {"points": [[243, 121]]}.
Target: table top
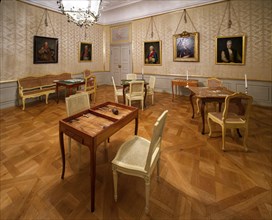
{"points": [[70, 81], [98, 119], [126, 81], [206, 92]]}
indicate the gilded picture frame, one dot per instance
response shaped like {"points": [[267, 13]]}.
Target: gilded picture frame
{"points": [[152, 53], [230, 50], [85, 52], [120, 34], [45, 50], [186, 47]]}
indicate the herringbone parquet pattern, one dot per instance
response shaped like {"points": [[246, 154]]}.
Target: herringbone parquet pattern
{"points": [[198, 180]]}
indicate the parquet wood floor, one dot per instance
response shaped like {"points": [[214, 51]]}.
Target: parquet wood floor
{"points": [[198, 180]]}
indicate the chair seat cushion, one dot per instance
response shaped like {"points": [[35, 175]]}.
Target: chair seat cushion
{"points": [[232, 117], [133, 154], [135, 97]]}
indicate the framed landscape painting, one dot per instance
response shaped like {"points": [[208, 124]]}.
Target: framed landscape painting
{"points": [[121, 34], [186, 47], [45, 50], [85, 52], [152, 53], [230, 50]]}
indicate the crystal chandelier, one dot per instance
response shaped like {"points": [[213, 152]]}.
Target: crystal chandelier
{"points": [[81, 12]]}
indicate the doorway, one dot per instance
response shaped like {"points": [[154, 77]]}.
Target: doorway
{"points": [[120, 62]]}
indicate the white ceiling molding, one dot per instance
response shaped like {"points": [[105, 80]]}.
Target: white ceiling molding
{"points": [[120, 11]]}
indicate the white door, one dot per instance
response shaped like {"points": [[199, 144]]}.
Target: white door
{"points": [[120, 62]]}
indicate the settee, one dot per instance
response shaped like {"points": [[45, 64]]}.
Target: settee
{"points": [[39, 86]]}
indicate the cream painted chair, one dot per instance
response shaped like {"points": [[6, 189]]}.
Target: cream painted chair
{"points": [[136, 92], [139, 157], [230, 120], [75, 104], [151, 87], [87, 73], [131, 76], [117, 92], [90, 86], [212, 83]]}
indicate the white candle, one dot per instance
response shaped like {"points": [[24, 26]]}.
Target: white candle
{"points": [[187, 75], [245, 80]]}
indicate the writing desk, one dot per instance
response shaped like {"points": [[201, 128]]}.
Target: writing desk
{"points": [[125, 84], [92, 127], [206, 94], [68, 84], [181, 82]]}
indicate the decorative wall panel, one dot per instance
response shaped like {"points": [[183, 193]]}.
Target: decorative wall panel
{"points": [[20, 22], [254, 17]]}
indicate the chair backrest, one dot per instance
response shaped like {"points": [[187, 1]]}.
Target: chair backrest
{"points": [[131, 76], [90, 83], [214, 83], [77, 103], [152, 80], [114, 86], [136, 88], [239, 103], [87, 73], [155, 143]]}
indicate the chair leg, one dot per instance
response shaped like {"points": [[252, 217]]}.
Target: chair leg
{"points": [[197, 106], [152, 99], [223, 137], [79, 156], [126, 101], [245, 138], [23, 100], [210, 127], [147, 191], [115, 182], [142, 104], [69, 146], [46, 98], [233, 132]]}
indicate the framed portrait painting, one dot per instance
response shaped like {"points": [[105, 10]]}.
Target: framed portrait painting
{"points": [[186, 47], [230, 50], [45, 50], [121, 34], [85, 52], [152, 53]]}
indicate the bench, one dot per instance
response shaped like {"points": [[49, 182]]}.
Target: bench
{"points": [[33, 87]]}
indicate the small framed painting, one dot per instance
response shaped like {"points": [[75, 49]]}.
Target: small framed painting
{"points": [[186, 47], [85, 52], [121, 34], [230, 50], [152, 53], [45, 50]]}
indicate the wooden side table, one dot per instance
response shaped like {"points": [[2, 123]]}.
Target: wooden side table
{"points": [[182, 82]]}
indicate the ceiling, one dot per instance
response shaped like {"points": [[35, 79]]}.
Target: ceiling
{"points": [[119, 11]]}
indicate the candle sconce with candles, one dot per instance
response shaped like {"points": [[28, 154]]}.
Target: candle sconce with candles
{"points": [[187, 78], [246, 84]]}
